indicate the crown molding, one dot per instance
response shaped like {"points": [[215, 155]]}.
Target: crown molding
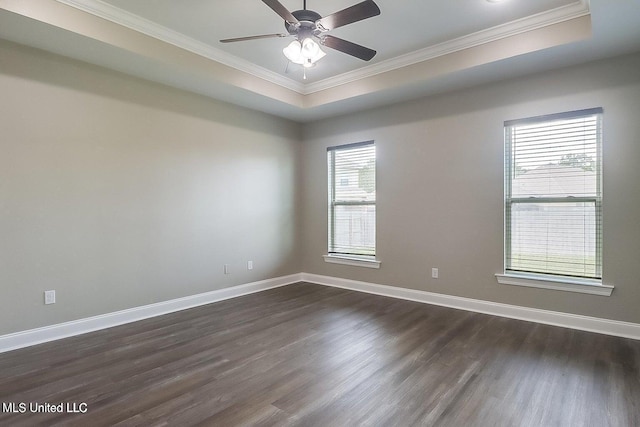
{"points": [[134, 22], [574, 10], [137, 23]]}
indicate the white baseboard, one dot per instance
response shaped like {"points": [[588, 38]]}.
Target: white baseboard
{"points": [[81, 326], [566, 320]]}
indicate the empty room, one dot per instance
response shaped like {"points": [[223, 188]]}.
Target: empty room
{"points": [[320, 213]]}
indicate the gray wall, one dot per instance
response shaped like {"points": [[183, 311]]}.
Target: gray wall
{"points": [[440, 186], [117, 192]]}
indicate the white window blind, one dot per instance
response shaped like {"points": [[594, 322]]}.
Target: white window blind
{"points": [[352, 199], [553, 194]]}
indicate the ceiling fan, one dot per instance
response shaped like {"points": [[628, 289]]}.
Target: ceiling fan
{"points": [[308, 26]]}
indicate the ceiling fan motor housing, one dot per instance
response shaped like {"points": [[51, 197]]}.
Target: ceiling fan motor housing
{"points": [[307, 26]]}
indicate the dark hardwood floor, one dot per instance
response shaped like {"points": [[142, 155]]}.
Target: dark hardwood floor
{"points": [[316, 356]]}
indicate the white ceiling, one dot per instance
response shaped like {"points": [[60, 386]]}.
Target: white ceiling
{"points": [[424, 46]]}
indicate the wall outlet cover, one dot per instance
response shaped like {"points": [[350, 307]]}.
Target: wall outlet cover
{"points": [[50, 297]]}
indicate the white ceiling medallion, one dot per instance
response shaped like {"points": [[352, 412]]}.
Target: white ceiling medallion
{"points": [[134, 22]]}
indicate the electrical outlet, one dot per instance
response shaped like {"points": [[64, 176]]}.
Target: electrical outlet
{"points": [[226, 269], [249, 265], [49, 297], [434, 273]]}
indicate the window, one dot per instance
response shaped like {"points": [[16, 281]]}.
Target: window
{"points": [[553, 195], [352, 200]]}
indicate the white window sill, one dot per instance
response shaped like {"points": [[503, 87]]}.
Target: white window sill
{"points": [[352, 260], [584, 286]]}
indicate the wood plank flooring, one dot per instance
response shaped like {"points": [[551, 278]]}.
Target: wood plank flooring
{"points": [[309, 355]]}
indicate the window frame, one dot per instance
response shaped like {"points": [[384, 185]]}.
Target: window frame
{"points": [[541, 279], [362, 260]]}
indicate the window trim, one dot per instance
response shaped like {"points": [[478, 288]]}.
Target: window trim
{"points": [[547, 280], [556, 283], [368, 262]]}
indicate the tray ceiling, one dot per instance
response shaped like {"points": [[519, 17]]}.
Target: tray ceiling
{"points": [[424, 46], [402, 28]]}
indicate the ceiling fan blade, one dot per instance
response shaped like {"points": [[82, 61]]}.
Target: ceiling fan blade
{"points": [[264, 36], [355, 13], [348, 47], [284, 13]]}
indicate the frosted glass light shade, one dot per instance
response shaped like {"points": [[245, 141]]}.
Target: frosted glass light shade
{"points": [[306, 53]]}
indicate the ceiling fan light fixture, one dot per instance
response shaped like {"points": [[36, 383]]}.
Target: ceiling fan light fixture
{"points": [[293, 52], [309, 48], [306, 53], [318, 55]]}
